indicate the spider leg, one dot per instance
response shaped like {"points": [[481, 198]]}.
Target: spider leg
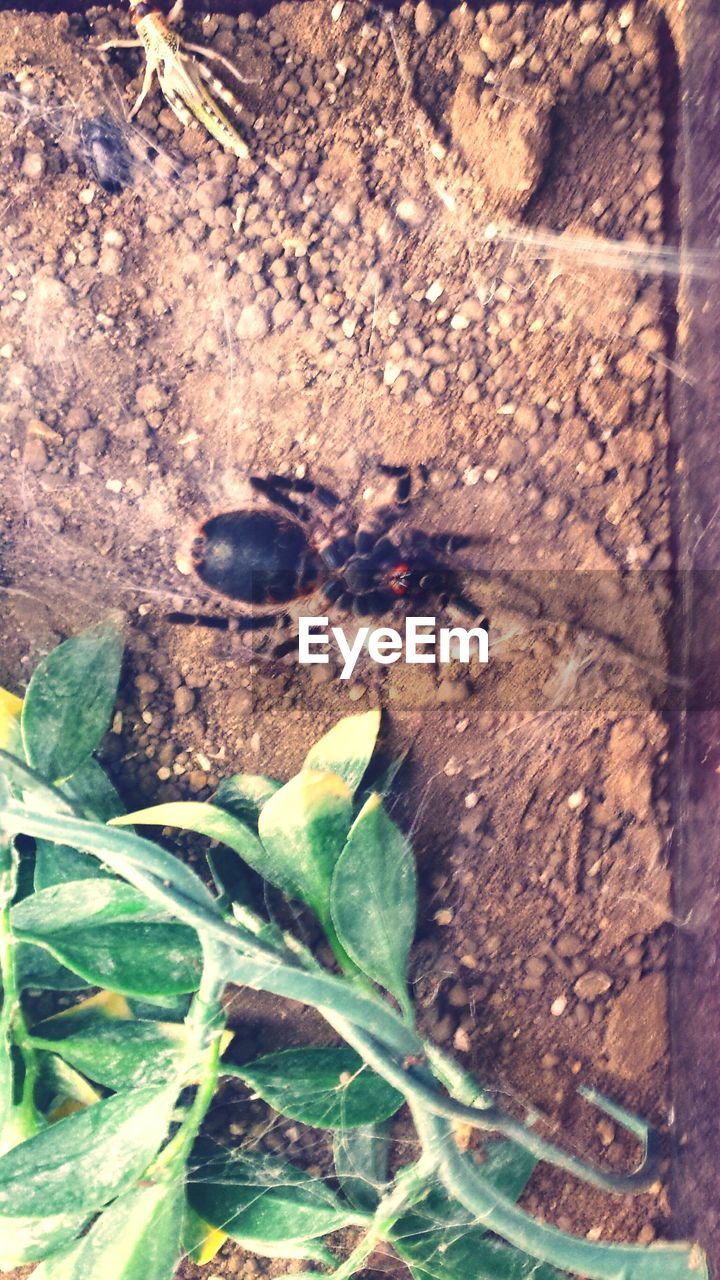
{"points": [[364, 604], [367, 536], [365, 540], [403, 478], [336, 552], [385, 549], [444, 543], [216, 622], [267, 486], [285, 647], [333, 590], [469, 608], [289, 484]]}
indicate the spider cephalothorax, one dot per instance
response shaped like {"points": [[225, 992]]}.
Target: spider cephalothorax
{"points": [[285, 551]]}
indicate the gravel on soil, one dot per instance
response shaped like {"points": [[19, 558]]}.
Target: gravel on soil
{"points": [[365, 288]]}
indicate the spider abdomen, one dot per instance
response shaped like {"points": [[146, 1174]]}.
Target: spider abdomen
{"points": [[258, 557]]}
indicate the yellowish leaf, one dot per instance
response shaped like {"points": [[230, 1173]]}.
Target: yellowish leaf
{"points": [[211, 1241], [10, 708], [68, 1107], [107, 1003]]}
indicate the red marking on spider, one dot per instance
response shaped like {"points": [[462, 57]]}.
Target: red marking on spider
{"points": [[397, 579]]}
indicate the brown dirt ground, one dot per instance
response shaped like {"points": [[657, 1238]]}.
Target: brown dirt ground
{"points": [[336, 301]]}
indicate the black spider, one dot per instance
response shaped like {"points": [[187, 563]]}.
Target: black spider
{"points": [[261, 556]]}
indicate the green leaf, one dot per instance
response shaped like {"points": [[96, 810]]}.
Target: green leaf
{"points": [[268, 1205], [508, 1167], [373, 898], [244, 795], [456, 1254], [69, 700], [234, 880], [206, 820], [59, 1084], [116, 1052], [361, 1163], [167, 1009], [60, 864], [109, 845], [303, 828], [109, 934], [330, 1088], [242, 882], [138, 1237], [36, 968], [28, 1239], [82, 903], [91, 792], [347, 749], [440, 1241], [51, 1184]]}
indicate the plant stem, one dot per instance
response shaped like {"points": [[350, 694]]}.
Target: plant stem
{"points": [[465, 1183], [410, 1187], [13, 1028], [204, 1024]]}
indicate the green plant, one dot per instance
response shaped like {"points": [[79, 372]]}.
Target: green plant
{"points": [[105, 1170]]}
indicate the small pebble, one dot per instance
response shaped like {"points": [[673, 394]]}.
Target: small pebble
{"points": [[110, 263], [568, 945], [461, 1041], [458, 996], [425, 19], [252, 324], [641, 39], [592, 984], [35, 455], [410, 212], [184, 700], [33, 165], [146, 682], [605, 1130], [527, 418]]}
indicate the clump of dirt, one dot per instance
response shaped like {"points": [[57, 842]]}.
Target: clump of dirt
{"points": [[505, 144]]}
